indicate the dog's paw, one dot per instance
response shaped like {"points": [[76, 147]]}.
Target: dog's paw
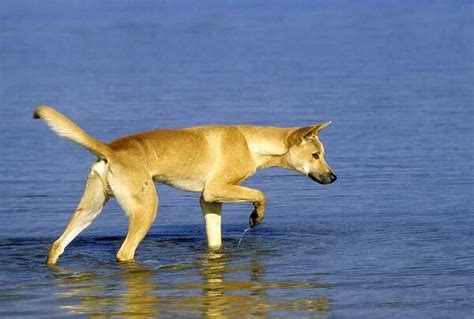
{"points": [[254, 219]]}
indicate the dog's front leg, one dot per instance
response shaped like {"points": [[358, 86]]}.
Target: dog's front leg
{"points": [[211, 212], [234, 193]]}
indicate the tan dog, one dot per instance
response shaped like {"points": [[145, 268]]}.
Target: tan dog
{"points": [[212, 160]]}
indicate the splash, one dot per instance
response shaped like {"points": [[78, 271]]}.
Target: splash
{"points": [[242, 236]]}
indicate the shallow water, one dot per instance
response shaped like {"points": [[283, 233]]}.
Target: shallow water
{"points": [[392, 238]]}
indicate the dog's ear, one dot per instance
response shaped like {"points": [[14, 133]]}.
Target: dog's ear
{"points": [[315, 129], [300, 134]]}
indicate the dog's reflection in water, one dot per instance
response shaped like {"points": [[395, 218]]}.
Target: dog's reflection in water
{"points": [[225, 296], [128, 293], [218, 287]]}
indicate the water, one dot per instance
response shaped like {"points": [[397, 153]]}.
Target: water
{"points": [[243, 234], [392, 238]]}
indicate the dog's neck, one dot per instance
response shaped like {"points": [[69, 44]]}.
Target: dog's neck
{"points": [[268, 161], [269, 146]]}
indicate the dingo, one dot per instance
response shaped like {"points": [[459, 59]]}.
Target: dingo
{"points": [[212, 160]]}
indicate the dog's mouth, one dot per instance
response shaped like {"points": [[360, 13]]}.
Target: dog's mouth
{"points": [[323, 180]]}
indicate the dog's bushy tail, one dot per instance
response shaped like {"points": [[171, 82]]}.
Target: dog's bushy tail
{"points": [[67, 129]]}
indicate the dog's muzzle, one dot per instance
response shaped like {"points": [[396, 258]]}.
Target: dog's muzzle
{"points": [[323, 179]]}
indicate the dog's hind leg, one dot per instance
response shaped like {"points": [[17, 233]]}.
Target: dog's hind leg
{"points": [[211, 213], [94, 198], [139, 199]]}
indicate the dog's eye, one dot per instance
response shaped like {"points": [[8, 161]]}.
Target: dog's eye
{"points": [[315, 155]]}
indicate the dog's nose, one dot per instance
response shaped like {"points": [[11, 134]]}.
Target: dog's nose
{"points": [[333, 178]]}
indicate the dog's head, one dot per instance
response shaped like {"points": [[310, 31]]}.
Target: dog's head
{"points": [[306, 154]]}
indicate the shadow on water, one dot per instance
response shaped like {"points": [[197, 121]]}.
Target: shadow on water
{"points": [[215, 285]]}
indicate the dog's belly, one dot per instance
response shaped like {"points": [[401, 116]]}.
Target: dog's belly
{"points": [[184, 184]]}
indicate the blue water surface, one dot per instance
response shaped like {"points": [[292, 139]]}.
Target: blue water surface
{"points": [[392, 238]]}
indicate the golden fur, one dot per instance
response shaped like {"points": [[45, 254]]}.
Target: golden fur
{"points": [[212, 160]]}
